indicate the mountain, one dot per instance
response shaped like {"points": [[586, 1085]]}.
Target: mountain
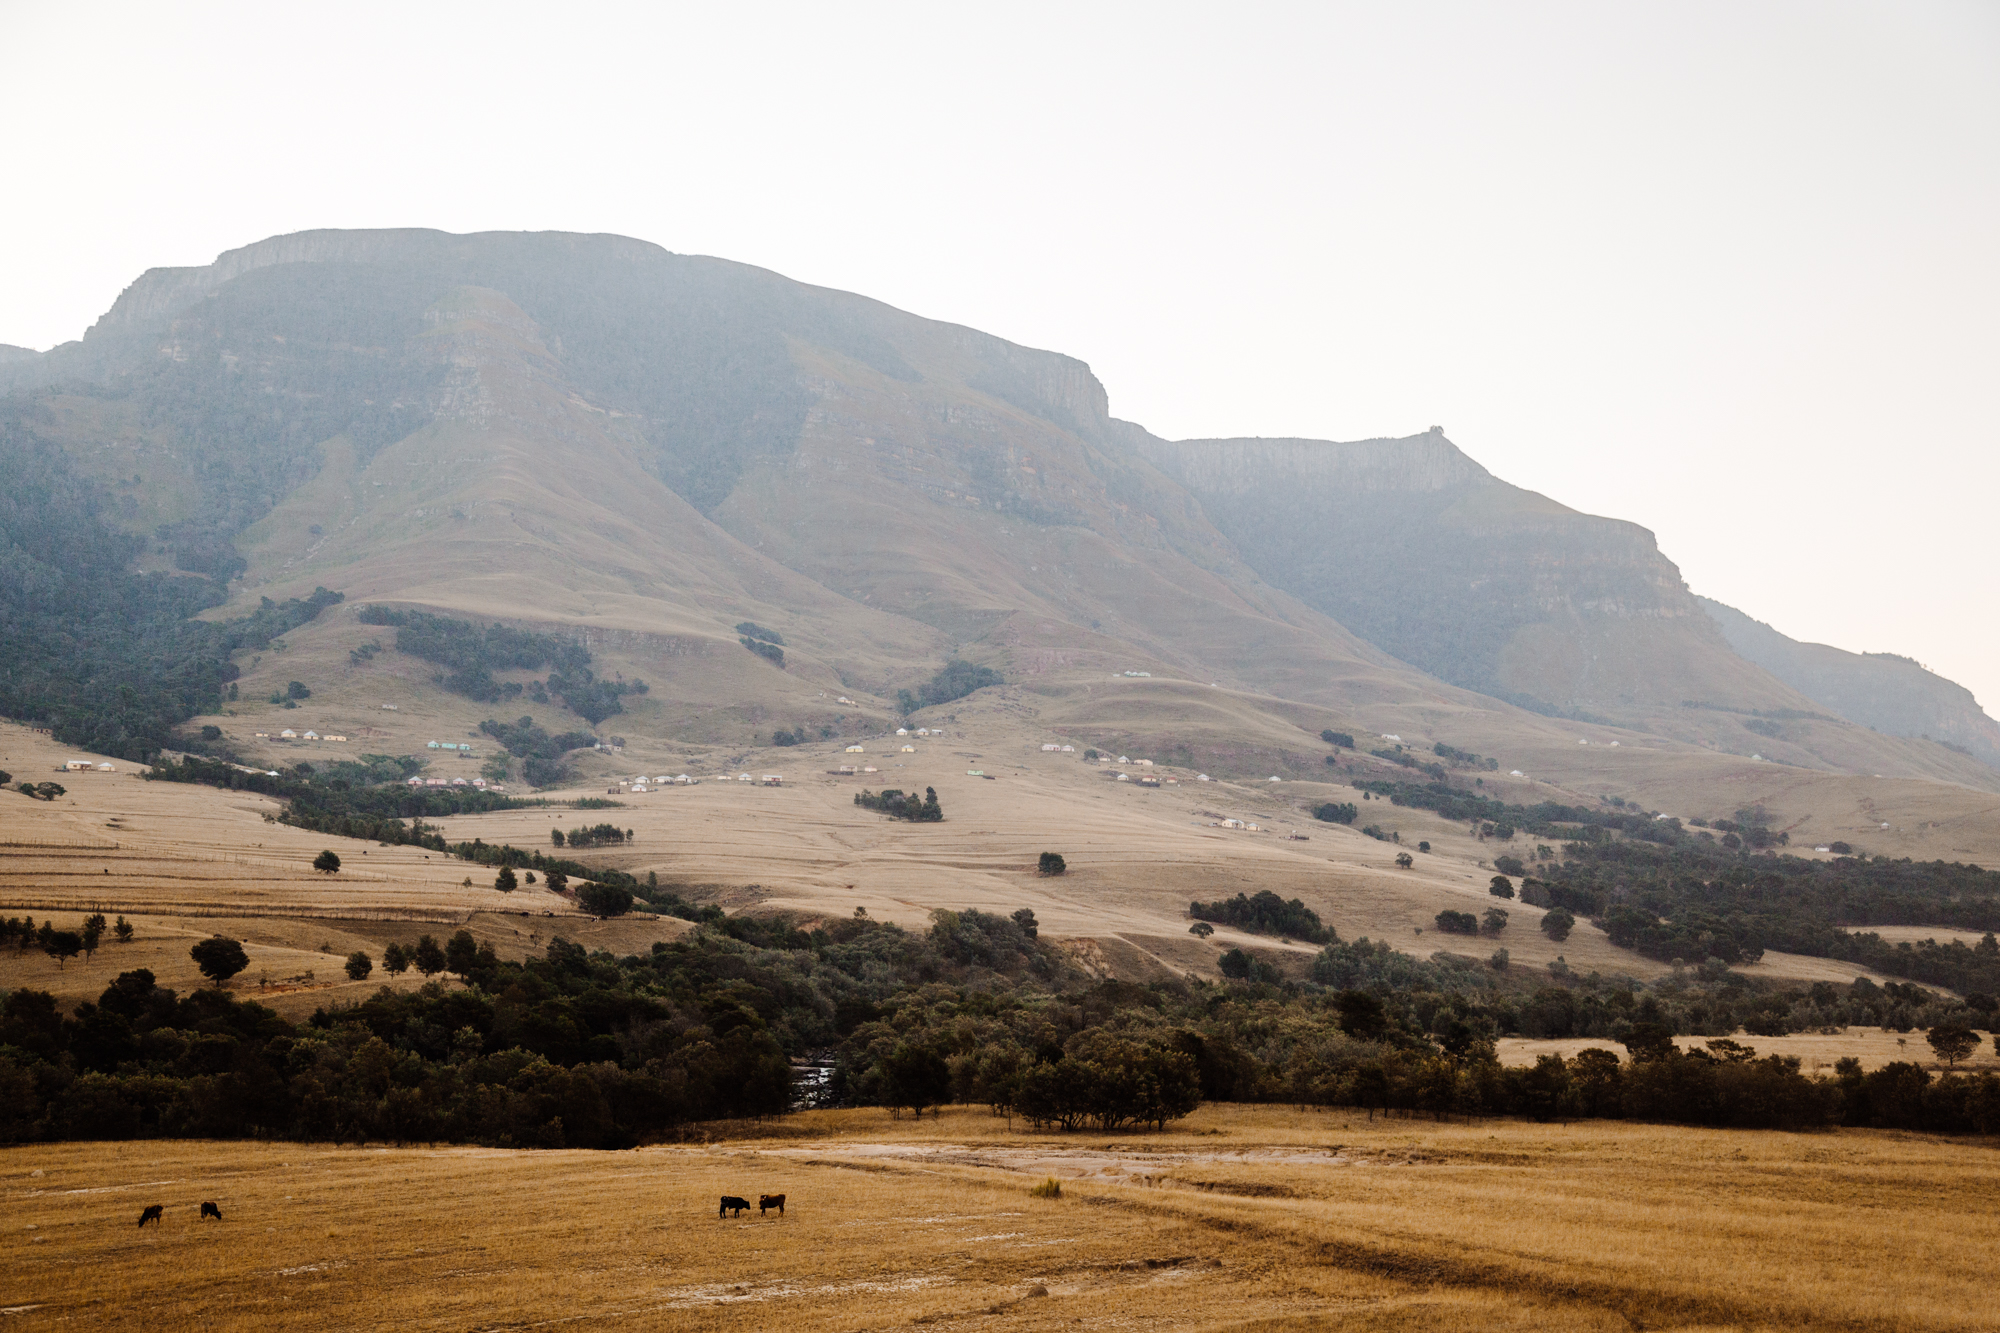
{"points": [[593, 436], [1883, 691]]}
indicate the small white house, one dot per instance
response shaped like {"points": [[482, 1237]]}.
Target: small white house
{"points": [[106, 768], [479, 782], [683, 781], [1202, 777], [391, 708], [902, 731], [1143, 763], [77, 766], [1049, 749], [432, 745], [413, 782], [1232, 823], [909, 749], [312, 735], [853, 749], [1124, 777], [334, 738], [435, 782], [844, 699], [744, 777], [845, 768], [1275, 778], [923, 731], [1069, 749], [288, 735], [869, 768], [774, 780], [460, 782]]}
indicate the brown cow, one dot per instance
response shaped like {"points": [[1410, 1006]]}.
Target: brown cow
{"points": [[765, 1201], [153, 1213], [208, 1210]]}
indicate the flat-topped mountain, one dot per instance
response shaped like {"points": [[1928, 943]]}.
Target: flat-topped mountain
{"points": [[592, 436]]}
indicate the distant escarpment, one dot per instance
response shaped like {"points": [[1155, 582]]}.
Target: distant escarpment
{"points": [[1420, 550], [1892, 694]]}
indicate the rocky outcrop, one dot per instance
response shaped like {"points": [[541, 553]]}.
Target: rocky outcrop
{"points": [[1889, 693]]}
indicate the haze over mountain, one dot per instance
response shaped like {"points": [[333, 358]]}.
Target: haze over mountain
{"points": [[1890, 693], [594, 434]]}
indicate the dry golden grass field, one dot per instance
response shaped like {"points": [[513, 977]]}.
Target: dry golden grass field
{"points": [[1240, 1218], [184, 861], [1817, 1051]]}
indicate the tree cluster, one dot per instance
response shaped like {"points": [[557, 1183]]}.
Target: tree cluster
{"points": [[954, 680], [903, 805], [1265, 913]]}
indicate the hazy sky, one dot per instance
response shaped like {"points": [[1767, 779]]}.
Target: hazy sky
{"points": [[1731, 271]]}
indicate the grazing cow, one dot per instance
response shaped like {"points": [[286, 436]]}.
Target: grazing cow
{"points": [[152, 1214], [208, 1210], [730, 1201], [765, 1201]]}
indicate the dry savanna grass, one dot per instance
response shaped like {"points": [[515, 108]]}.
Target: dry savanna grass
{"points": [[1816, 1051], [194, 860], [1251, 1218]]}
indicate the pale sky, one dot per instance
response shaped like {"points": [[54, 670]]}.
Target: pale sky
{"points": [[1730, 270]]}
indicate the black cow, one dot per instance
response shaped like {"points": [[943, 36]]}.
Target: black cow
{"points": [[152, 1214], [730, 1201], [208, 1210], [767, 1201]]}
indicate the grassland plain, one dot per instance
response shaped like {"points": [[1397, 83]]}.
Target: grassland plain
{"points": [[192, 860], [1243, 1218]]}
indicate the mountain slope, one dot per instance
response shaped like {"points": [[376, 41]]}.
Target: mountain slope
{"points": [[1880, 690], [591, 434]]}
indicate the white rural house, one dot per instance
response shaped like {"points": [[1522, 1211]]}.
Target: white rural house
{"points": [[852, 749]]}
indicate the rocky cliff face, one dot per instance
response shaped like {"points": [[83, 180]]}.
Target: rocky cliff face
{"points": [[1880, 690], [1426, 554]]}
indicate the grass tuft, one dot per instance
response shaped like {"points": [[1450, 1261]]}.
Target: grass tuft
{"points": [[1051, 1188]]}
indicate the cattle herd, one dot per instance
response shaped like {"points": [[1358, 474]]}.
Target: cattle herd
{"points": [[733, 1206], [730, 1205], [157, 1212]]}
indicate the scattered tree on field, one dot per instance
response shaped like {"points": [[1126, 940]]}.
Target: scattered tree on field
{"points": [[327, 862], [1494, 920], [396, 958], [359, 965], [1952, 1043], [428, 957], [1052, 863], [604, 899], [504, 881], [1025, 919], [219, 958], [1201, 929], [1557, 924], [123, 930], [1457, 923], [1404, 860], [62, 945], [1501, 887], [93, 933]]}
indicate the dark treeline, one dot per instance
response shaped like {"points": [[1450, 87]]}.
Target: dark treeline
{"points": [[578, 1049], [1673, 892], [472, 653], [1265, 913], [954, 680], [540, 752], [903, 805]]}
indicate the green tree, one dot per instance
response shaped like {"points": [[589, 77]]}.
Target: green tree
{"points": [[326, 862], [123, 930], [1025, 919], [558, 881], [914, 1076], [1557, 924], [219, 958], [1952, 1043], [604, 899], [1052, 863], [556, 836], [505, 882], [428, 957], [93, 933], [1494, 920], [461, 953], [1501, 887], [1201, 929], [296, 690], [62, 945], [396, 959], [359, 965], [1404, 860], [48, 791]]}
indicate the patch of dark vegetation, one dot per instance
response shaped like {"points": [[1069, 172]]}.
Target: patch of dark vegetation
{"points": [[109, 660], [902, 804], [1265, 913], [540, 752], [471, 654], [954, 680]]}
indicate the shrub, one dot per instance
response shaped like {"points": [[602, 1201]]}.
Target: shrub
{"points": [[1050, 1188], [1501, 887], [327, 862], [1335, 812], [1457, 923], [1557, 924], [1404, 860], [1052, 863], [359, 965], [1339, 738]]}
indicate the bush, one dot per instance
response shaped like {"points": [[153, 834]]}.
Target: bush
{"points": [[1501, 887], [1404, 860], [604, 899], [1335, 812], [1339, 738], [1201, 930], [770, 652], [1050, 1188], [327, 862], [1557, 924], [1457, 923], [359, 965], [1051, 863]]}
